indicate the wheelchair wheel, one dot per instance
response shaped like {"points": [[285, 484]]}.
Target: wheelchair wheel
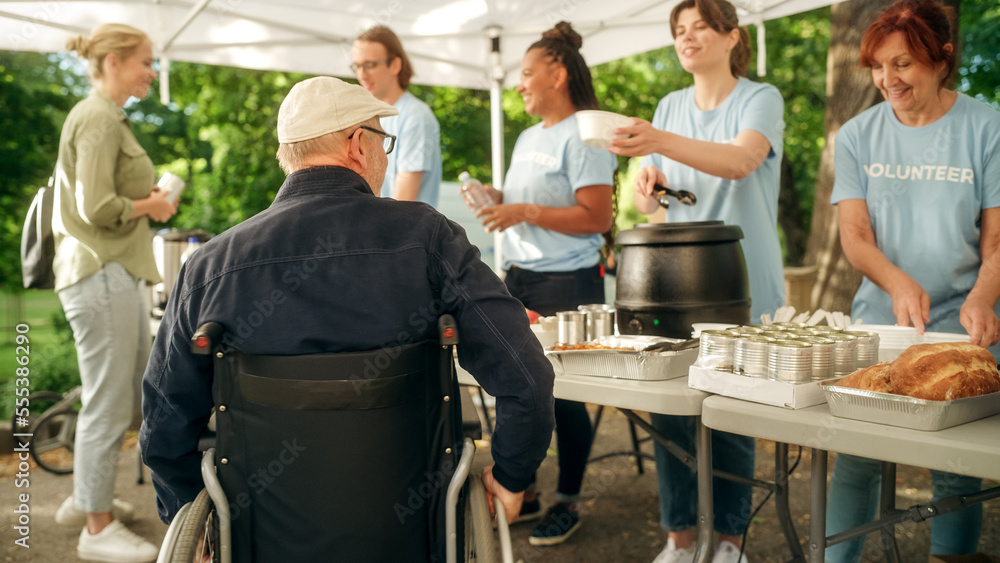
{"points": [[53, 441], [38, 402], [198, 539], [480, 542]]}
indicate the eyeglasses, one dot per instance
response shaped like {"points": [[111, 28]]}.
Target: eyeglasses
{"points": [[388, 143], [369, 65]]}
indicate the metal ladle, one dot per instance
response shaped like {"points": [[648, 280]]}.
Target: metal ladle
{"points": [[683, 196]]}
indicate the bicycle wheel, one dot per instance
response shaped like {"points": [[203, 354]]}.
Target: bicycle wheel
{"points": [[38, 402], [198, 540], [53, 441]]}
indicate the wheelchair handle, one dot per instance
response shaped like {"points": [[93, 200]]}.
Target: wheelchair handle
{"points": [[205, 338]]}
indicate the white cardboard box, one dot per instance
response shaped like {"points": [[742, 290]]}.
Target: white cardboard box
{"points": [[767, 391]]}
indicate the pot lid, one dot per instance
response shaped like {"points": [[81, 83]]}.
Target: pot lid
{"points": [[679, 233]]}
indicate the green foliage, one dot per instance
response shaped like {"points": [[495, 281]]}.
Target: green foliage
{"points": [[53, 365], [979, 72], [35, 94]]}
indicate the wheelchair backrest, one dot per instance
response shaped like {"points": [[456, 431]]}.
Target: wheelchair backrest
{"points": [[337, 457]]}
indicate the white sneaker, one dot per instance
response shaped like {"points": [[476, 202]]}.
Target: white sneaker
{"points": [[728, 552], [115, 544], [69, 515], [673, 554]]}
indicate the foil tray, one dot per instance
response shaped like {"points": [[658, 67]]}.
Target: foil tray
{"points": [[625, 364], [907, 412]]}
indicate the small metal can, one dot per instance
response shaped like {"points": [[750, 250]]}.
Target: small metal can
{"points": [[789, 360], [867, 347], [750, 355], [572, 327], [716, 349], [780, 335], [823, 355], [790, 325], [746, 330], [827, 328], [845, 353]]}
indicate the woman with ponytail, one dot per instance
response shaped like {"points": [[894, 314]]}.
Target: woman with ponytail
{"points": [[721, 140], [556, 203], [105, 196]]}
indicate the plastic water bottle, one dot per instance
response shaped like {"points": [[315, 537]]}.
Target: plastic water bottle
{"points": [[193, 244], [474, 193]]}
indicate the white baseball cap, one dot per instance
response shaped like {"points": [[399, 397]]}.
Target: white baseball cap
{"points": [[324, 104]]}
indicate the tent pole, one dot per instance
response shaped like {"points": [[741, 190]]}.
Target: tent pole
{"points": [[496, 127]]}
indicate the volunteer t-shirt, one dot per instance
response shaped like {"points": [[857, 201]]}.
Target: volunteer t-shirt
{"points": [[547, 167], [418, 147], [925, 188], [750, 203]]}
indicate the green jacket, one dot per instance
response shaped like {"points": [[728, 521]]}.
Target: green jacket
{"points": [[100, 171]]}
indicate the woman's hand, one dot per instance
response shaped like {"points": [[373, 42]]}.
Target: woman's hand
{"points": [[910, 303], [980, 321], [494, 193], [156, 207], [645, 200], [501, 217], [645, 139]]}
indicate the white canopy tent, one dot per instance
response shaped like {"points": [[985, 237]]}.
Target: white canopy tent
{"points": [[469, 43]]}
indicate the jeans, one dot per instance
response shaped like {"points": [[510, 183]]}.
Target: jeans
{"points": [[854, 494], [731, 502], [548, 293], [109, 314]]}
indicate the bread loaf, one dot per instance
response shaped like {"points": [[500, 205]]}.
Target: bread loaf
{"points": [[936, 372], [872, 378], [944, 371]]}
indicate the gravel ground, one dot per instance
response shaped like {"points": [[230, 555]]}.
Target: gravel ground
{"points": [[619, 509]]}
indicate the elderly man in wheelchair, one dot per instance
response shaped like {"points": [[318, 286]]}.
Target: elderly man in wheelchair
{"points": [[320, 333]]}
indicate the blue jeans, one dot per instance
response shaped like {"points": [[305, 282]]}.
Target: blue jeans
{"points": [[109, 314], [548, 293], [854, 495], [732, 502]]}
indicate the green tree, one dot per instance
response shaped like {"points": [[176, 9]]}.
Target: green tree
{"points": [[35, 94]]}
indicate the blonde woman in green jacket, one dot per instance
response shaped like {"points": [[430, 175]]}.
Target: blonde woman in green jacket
{"points": [[104, 200]]}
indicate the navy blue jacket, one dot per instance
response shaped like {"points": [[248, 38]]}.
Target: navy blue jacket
{"points": [[329, 267]]}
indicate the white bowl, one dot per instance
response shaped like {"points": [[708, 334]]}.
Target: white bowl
{"points": [[597, 128]]}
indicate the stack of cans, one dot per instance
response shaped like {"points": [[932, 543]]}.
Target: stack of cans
{"points": [[791, 352]]}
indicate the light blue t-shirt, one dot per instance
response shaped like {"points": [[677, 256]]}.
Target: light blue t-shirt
{"points": [[926, 188], [418, 147], [547, 167], [750, 203]]}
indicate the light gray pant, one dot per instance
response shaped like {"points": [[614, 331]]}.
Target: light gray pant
{"points": [[109, 313]]}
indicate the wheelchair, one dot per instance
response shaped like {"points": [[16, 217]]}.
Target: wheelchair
{"points": [[356, 456]]}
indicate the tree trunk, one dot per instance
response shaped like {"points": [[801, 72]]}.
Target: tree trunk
{"points": [[849, 91], [790, 216]]}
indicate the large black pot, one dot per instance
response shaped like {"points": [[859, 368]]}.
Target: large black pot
{"points": [[671, 275]]}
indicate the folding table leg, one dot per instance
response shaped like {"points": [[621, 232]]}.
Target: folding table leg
{"points": [[886, 506], [817, 507], [781, 501], [706, 515]]}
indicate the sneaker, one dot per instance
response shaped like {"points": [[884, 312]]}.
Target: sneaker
{"points": [[115, 544], [530, 510], [69, 515], [556, 527], [728, 552], [673, 554]]}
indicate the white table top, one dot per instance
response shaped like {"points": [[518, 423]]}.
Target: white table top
{"points": [[971, 449], [672, 396]]}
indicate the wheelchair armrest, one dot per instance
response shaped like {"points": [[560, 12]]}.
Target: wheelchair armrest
{"points": [[206, 440]]}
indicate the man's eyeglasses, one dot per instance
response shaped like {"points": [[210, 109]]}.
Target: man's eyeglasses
{"points": [[369, 65], [388, 143]]}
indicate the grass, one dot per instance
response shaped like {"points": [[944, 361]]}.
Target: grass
{"points": [[35, 309]]}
